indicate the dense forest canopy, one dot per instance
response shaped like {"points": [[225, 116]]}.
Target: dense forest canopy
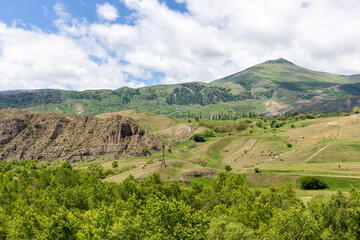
{"points": [[43, 201]]}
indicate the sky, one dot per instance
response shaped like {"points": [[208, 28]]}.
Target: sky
{"points": [[92, 44]]}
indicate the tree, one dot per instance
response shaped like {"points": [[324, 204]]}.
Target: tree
{"points": [[228, 168], [294, 223], [312, 183], [115, 164]]}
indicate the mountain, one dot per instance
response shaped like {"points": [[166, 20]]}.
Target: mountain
{"points": [[269, 88], [283, 74], [50, 136]]}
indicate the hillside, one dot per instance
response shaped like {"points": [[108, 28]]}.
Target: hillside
{"points": [[53, 136], [325, 147], [270, 88]]}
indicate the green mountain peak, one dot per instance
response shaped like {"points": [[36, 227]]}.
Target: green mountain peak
{"points": [[279, 61]]}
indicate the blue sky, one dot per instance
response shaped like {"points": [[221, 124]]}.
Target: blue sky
{"points": [[41, 13], [92, 44]]}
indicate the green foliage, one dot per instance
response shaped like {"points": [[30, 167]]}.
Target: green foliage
{"points": [[242, 126], [228, 168], [209, 133], [145, 151], [312, 183], [198, 137], [42, 201], [356, 110], [353, 89], [309, 116], [115, 164]]}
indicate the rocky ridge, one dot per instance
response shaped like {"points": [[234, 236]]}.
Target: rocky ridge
{"points": [[49, 136]]}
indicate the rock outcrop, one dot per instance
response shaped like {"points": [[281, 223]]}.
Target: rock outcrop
{"points": [[49, 136]]}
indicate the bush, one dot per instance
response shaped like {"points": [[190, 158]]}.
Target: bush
{"points": [[312, 183], [241, 126], [228, 168], [199, 137], [115, 164], [209, 133], [356, 110], [216, 129], [309, 116], [145, 151], [289, 145], [257, 170]]}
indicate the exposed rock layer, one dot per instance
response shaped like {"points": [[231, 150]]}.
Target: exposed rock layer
{"points": [[48, 136]]}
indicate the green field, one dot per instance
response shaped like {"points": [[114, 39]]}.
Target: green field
{"points": [[326, 147]]}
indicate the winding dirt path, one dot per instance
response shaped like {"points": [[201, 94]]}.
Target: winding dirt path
{"points": [[320, 150]]}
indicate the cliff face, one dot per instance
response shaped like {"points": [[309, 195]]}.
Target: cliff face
{"points": [[49, 136]]}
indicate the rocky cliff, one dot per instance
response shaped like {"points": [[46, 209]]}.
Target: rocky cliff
{"points": [[49, 136]]}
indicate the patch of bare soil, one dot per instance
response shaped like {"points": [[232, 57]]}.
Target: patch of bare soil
{"points": [[200, 172], [274, 108]]}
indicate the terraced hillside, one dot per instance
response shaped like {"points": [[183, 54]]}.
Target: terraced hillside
{"points": [[324, 147]]}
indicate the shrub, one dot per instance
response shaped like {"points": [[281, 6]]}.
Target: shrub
{"points": [[197, 137], [209, 133], [312, 183], [228, 168], [216, 129], [292, 125], [241, 126], [226, 128], [309, 116], [115, 164], [145, 151], [289, 145], [257, 170], [356, 110]]}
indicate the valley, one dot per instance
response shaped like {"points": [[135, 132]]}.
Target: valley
{"points": [[327, 147]]}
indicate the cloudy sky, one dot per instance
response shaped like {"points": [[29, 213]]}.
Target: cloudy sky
{"points": [[89, 44]]}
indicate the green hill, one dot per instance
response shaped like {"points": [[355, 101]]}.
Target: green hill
{"points": [[270, 88]]}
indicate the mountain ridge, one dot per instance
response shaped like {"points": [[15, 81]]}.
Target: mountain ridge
{"points": [[281, 81]]}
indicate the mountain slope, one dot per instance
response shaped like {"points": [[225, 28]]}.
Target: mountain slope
{"points": [[259, 88], [49, 136]]}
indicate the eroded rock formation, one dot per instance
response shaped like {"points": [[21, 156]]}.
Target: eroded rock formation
{"points": [[49, 136]]}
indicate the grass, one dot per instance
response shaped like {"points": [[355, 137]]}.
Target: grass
{"points": [[338, 183], [266, 150]]}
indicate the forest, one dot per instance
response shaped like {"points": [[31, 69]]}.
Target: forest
{"points": [[55, 201]]}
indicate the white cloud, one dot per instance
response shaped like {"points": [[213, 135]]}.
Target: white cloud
{"points": [[107, 12], [213, 39]]}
